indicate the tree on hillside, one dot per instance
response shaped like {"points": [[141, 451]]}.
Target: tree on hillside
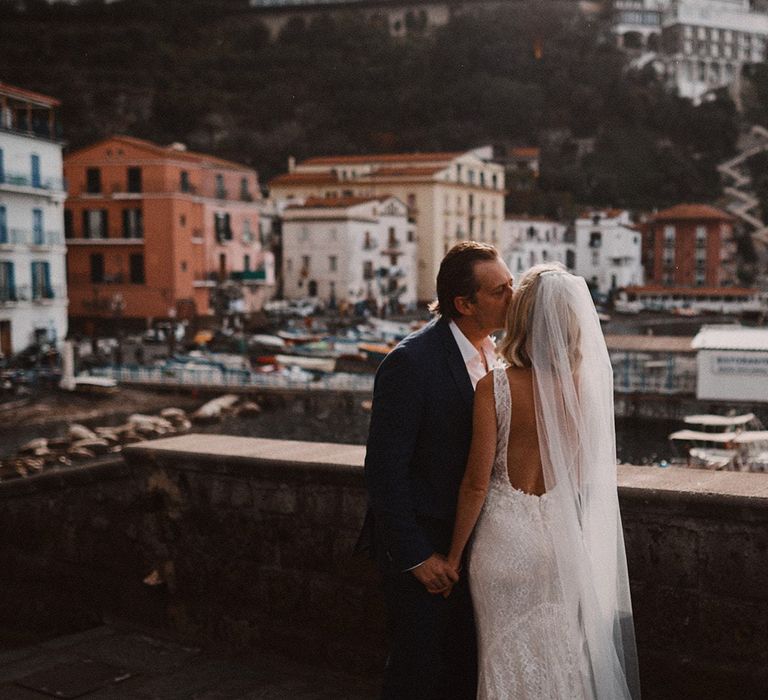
{"points": [[192, 71]]}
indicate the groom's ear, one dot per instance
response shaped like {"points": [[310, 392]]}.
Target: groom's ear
{"points": [[464, 305]]}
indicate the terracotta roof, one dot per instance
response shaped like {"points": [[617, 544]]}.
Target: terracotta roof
{"points": [[408, 172], [333, 202], [696, 212], [383, 158], [693, 291], [28, 96], [607, 213], [168, 152], [649, 343], [525, 152], [304, 179]]}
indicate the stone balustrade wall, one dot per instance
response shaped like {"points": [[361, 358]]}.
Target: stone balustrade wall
{"points": [[248, 542]]}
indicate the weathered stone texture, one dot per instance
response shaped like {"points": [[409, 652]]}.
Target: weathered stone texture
{"points": [[258, 552]]}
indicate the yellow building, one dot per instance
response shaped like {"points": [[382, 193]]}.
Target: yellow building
{"points": [[450, 196]]}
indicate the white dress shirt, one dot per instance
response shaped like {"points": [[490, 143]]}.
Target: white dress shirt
{"points": [[472, 359]]}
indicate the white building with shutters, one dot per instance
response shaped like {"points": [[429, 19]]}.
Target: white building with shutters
{"points": [[607, 249], [33, 291], [530, 240], [345, 251]]}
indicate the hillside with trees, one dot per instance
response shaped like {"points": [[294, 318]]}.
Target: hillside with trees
{"points": [[209, 74]]}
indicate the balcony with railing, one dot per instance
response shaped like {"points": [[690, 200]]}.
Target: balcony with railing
{"points": [[11, 295], [13, 237], [17, 294], [12, 181], [43, 293], [46, 238], [205, 279], [30, 237]]}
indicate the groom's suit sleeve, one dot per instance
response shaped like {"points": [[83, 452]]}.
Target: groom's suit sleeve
{"points": [[398, 403]]}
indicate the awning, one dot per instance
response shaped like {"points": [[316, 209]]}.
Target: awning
{"points": [[697, 435], [708, 419]]}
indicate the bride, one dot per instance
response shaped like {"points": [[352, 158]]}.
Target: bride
{"points": [[547, 568]]}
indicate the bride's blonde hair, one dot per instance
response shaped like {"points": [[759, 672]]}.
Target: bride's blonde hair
{"points": [[515, 348]]}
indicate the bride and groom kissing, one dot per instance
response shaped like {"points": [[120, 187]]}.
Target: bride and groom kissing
{"points": [[493, 509]]}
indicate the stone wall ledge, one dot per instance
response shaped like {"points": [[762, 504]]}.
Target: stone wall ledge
{"points": [[242, 456], [105, 469], [225, 454], [251, 543]]}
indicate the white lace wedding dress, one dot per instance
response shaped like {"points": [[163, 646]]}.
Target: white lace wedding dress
{"points": [[525, 649]]}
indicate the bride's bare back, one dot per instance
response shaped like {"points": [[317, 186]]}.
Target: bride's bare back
{"points": [[523, 456]]}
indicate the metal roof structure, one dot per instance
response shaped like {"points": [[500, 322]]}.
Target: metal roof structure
{"points": [[723, 337], [709, 419]]}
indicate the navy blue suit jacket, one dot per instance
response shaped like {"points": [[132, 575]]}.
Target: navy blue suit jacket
{"points": [[421, 428]]}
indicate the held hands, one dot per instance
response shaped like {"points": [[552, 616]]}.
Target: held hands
{"points": [[437, 575]]}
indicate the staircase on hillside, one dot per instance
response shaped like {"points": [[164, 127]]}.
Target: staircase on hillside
{"points": [[738, 186]]}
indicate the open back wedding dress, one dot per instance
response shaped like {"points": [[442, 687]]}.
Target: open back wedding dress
{"points": [[548, 573]]}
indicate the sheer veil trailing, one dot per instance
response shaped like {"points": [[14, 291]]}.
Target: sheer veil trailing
{"points": [[574, 412]]}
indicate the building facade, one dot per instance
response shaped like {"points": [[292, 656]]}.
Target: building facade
{"points": [[699, 45], [33, 289], [706, 44], [450, 196], [607, 250], [689, 245], [157, 232], [637, 23], [732, 363], [528, 241], [350, 250]]}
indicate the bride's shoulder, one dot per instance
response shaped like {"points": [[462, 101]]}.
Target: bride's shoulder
{"points": [[485, 385]]}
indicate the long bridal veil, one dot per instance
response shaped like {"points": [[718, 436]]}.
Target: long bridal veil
{"points": [[574, 412]]}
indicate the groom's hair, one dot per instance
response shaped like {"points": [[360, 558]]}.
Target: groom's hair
{"points": [[456, 277]]}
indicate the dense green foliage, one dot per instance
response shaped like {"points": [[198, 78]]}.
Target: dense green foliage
{"points": [[208, 74]]}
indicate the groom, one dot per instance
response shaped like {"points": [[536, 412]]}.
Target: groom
{"points": [[421, 428]]}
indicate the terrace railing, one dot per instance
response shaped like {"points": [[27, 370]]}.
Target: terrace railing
{"points": [[54, 184], [232, 378]]}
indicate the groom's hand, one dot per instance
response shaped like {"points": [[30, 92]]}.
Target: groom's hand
{"points": [[436, 574]]}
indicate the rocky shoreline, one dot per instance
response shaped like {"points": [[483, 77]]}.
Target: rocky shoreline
{"points": [[81, 443]]}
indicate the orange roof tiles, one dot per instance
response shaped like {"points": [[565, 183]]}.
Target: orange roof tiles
{"points": [[525, 152], [408, 172], [304, 179], [168, 152], [691, 212], [334, 202], [607, 213], [28, 95], [382, 158]]}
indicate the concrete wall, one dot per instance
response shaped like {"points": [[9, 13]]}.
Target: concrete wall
{"points": [[251, 539]]}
